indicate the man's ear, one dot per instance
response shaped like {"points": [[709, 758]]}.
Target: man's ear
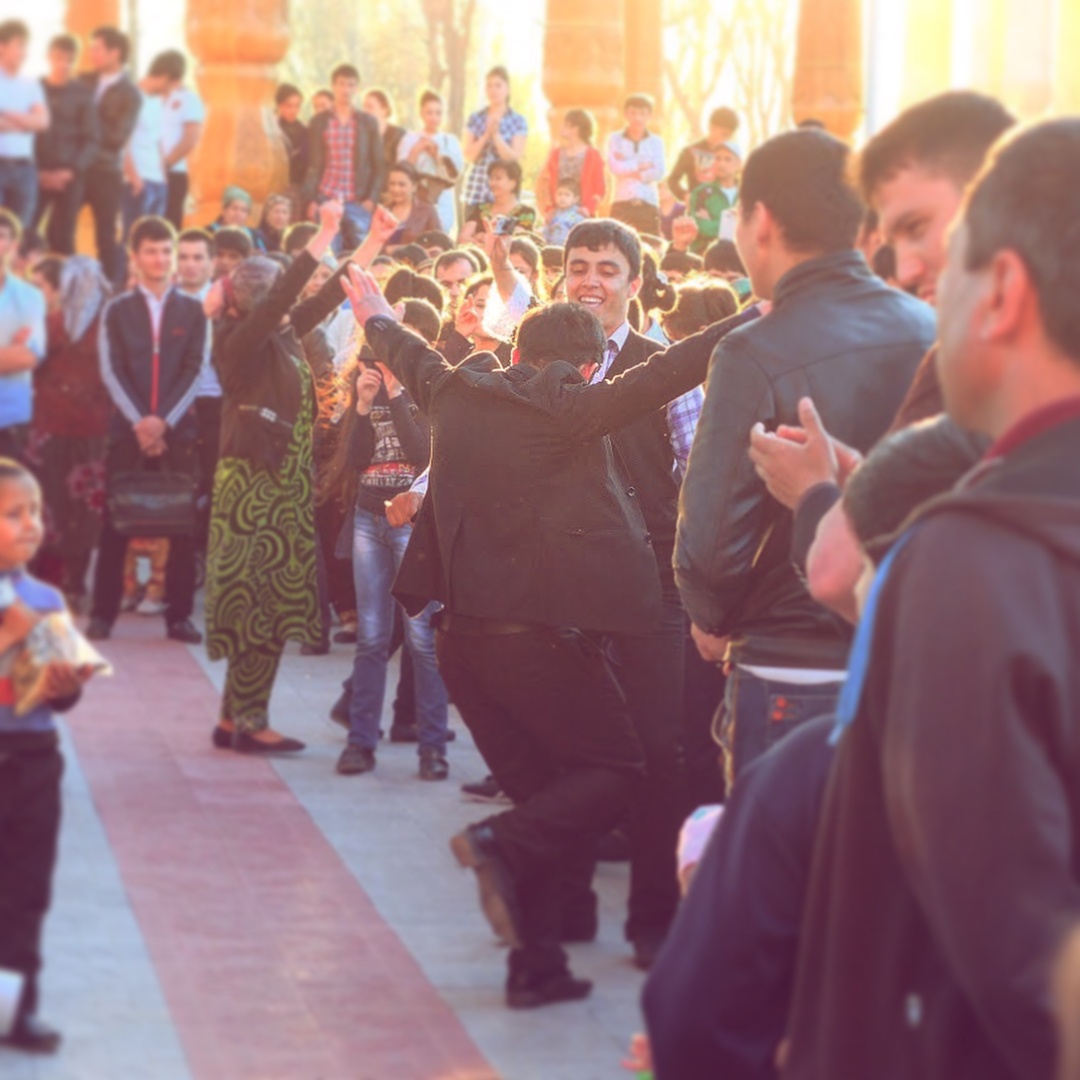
{"points": [[635, 287]]}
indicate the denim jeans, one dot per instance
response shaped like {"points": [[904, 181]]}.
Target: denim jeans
{"points": [[150, 201], [758, 713], [355, 225], [19, 188], [378, 549]]}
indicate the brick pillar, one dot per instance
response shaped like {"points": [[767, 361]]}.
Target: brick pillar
{"points": [[828, 83]]}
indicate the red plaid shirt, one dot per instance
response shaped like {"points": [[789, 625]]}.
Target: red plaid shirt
{"points": [[339, 178]]}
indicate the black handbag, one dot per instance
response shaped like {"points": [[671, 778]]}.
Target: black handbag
{"points": [[153, 503]]}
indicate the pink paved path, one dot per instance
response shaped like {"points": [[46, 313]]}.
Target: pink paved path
{"points": [[273, 961]]}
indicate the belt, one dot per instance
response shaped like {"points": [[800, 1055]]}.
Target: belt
{"points": [[467, 625]]}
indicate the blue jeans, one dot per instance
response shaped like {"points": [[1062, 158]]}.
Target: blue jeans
{"points": [[150, 201], [355, 225], [758, 713], [378, 550], [19, 189]]}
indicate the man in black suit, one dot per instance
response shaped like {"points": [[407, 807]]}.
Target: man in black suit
{"points": [[534, 543], [118, 103]]}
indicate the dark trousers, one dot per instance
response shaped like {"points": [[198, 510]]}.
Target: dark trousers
{"points": [[124, 455], [553, 726], [208, 417], [18, 188], [62, 208], [29, 829], [757, 713], [176, 199], [651, 671], [638, 214], [103, 189], [704, 694]]}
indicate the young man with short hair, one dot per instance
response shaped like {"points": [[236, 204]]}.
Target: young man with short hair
{"points": [[152, 352], [231, 247], [183, 115], [636, 159], [696, 159], [22, 342], [118, 103], [65, 150], [288, 101], [837, 334], [23, 113], [346, 160], [452, 270], [146, 190]]}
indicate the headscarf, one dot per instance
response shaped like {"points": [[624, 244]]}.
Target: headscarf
{"points": [[233, 193], [252, 280], [83, 293]]}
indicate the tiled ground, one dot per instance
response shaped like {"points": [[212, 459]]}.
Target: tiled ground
{"points": [[220, 918]]}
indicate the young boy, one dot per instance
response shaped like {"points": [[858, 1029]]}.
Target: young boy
{"points": [[566, 215], [30, 760], [710, 199]]}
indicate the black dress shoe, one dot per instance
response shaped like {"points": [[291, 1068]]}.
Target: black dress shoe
{"points": [[345, 637], [484, 791], [646, 949], [34, 1036], [339, 711], [433, 765], [99, 630], [322, 649], [526, 993], [183, 631], [355, 760], [404, 733], [222, 737], [475, 849], [248, 744]]}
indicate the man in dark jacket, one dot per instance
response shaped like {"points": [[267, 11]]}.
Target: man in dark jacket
{"points": [[346, 160], [118, 102], [65, 150], [152, 346], [528, 547], [837, 334], [945, 873]]}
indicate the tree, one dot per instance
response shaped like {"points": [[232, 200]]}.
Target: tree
{"points": [[449, 31]]}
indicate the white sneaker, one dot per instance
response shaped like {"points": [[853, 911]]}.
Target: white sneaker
{"points": [[150, 607]]}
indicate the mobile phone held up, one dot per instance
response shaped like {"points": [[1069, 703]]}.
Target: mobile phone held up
{"points": [[504, 224]]}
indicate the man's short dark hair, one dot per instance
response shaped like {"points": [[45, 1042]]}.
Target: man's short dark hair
{"points": [[407, 284], [298, 236], [429, 95], [11, 224], [423, 318], [198, 236], [722, 257], [65, 43], [570, 185], [230, 238], [583, 120], [639, 101], [13, 30], [598, 233], [412, 255], [114, 40], [551, 255], [344, 71], [951, 134], [382, 97], [150, 230], [285, 92], [567, 332], [1027, 200], [323, 93], [803, 177], [681, 262], [448, 258], [171, 65], [724, 118], [435, 238]]}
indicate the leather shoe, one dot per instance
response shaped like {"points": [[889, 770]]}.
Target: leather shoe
{"points": [[222, 737], [404, 733], [476, 850], [433, 765], [322, 649], [647, 949], [34, 1036], [248, 744], [339, 711], [183, 631], [98, 630], [526, 993], [355, 760]]}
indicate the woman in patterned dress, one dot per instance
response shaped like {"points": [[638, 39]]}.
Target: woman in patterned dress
{"points": [[261, 567]]}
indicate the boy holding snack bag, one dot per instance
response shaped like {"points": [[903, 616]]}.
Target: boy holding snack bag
{"points": [[43, 665]]}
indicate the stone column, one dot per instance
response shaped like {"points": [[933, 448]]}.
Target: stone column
{"points": [[85, 16], [828, 84], [928, 50], [1027, 47], [237, 45], [585, 60], [1067, 70], [644, 51]]}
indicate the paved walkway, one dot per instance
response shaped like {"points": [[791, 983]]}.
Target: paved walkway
{"points": [[224, 918]]}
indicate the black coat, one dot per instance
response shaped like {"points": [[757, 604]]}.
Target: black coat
{"points": [[71, 139], [118, 111], [526, 518]]}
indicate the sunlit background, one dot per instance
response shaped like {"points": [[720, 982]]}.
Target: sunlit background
{"points": [[737, 52]]}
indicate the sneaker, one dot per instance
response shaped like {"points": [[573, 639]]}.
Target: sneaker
{"points": [[485, 791], [530, 993], [433, 765], [355, 760], [146, 606]]}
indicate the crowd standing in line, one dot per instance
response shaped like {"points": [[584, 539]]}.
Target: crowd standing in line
{"points": [[731, 483]]}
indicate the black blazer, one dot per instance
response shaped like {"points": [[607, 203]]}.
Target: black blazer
{"points": [[118, 110], [261, 383], [369, 161], [526, 517]]}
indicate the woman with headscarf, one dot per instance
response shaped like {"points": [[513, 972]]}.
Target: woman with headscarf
{"points": [[66, 448], [276, 218], [262, 584]]}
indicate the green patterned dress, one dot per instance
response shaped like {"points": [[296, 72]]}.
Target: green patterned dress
{"points": [[262, 587]]}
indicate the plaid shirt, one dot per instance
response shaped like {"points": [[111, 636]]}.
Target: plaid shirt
{"points": [[476, 184], [339, 175], [682, 414]]}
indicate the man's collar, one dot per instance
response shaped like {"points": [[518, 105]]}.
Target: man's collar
{"points": [[620, 335], [154, 298], [1035, 423]]}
